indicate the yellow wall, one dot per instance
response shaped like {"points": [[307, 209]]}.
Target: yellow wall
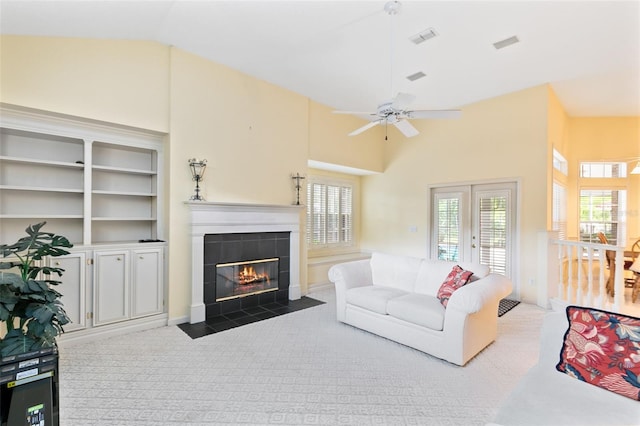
{"points": [[207, 111], [331, 144], [558, 139], [253, 134], [498, 139], [124, 82]]}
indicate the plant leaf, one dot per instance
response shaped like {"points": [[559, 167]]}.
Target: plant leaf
{"points": [[15, 343]]}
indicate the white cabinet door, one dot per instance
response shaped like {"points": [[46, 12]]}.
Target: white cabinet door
{"points": [[72, 287], [111, 286], [147, 287]]}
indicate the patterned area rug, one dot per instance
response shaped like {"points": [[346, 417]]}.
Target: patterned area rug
{"points": [[506, 305]]}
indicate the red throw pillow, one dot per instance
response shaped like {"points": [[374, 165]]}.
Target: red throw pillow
{"points": [[456, 279], [602, 348]]}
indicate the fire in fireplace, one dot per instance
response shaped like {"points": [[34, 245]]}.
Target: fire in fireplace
{"points": [[239, 279]]}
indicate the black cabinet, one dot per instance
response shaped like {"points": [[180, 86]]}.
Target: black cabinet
{"points": [[29, 389]]}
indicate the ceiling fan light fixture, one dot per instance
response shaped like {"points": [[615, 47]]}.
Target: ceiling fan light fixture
{"points": [[416, 75], [392, 7], [636, 169], [506, 42], [423, 36]]}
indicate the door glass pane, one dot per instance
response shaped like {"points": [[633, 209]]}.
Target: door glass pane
{"points": [[448, 214], [493, 232]]}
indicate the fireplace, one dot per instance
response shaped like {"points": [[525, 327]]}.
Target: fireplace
{"points": [[245, 270], [224, 232]]}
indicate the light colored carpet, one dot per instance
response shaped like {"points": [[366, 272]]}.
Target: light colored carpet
{"points": [[299, 368]]}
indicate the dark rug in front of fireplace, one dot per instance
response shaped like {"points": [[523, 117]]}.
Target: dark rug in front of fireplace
{"points": [[247, 316]]}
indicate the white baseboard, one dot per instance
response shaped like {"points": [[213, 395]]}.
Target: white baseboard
{"points": [[110, 330], [319, 287], [178, 320]]}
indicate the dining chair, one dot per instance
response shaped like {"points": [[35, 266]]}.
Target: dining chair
{"points": [[635, 268]]}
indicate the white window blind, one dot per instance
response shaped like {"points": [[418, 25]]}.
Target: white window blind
{"points": [[448, 231], [559, 212], [329, 214], [493, 232], [560, 163]]}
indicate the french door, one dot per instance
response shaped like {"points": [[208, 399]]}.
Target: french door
{"points": [[475, 223]]}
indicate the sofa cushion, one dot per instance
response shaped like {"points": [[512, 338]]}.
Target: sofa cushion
{"points": [[418, 309], [433, 272], [602, 348], [456, 279], [373, 298], [394, 271]]}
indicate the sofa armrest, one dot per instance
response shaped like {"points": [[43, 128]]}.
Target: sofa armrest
{"points": [[474, 296], [349, 275]]}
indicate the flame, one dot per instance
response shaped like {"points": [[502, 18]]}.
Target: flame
{"points": [[248, 275]]}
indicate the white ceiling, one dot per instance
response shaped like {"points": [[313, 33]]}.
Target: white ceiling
{"points": [[338, 52]]}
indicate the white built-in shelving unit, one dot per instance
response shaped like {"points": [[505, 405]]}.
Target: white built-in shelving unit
{"points": [[94, 182], [100, 185]]}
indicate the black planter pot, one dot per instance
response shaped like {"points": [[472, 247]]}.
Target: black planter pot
{"points": [[29, 389]]}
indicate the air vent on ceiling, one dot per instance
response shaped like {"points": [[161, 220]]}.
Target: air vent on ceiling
{"points": [[506, 42], [423, 36], [416, 76]]}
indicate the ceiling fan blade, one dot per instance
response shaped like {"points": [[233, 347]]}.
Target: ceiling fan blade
{"points": [[365, 127], [402, 100], [406, 128], [442, 113], [355, 112]]}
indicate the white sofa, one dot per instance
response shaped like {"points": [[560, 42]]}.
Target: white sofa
{"points": [[395, 297], [545, 396]]}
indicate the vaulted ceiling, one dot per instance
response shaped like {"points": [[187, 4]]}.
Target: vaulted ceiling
{"points": [[354, 55]]}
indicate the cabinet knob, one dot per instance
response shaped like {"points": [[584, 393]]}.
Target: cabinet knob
{"points": [[141, 257], [118, 259], [57, 263]]}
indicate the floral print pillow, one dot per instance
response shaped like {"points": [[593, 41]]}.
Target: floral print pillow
{"points": [[456, 279], [602, 348]]}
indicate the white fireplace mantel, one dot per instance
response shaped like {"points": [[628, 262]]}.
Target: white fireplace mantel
{"points": [[227, 218]]}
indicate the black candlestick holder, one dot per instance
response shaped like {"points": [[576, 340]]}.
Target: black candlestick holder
{"points": [[298, 185], [197, 172]]}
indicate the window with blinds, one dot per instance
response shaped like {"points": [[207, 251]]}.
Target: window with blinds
{"points": [[560, 163], [602, 210], [329, 214], [559, 213]]}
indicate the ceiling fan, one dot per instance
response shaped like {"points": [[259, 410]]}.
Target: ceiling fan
{"points": [[395, 111]]}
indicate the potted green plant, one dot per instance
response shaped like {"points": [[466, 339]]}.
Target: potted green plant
{"points": [[31, 314]]}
